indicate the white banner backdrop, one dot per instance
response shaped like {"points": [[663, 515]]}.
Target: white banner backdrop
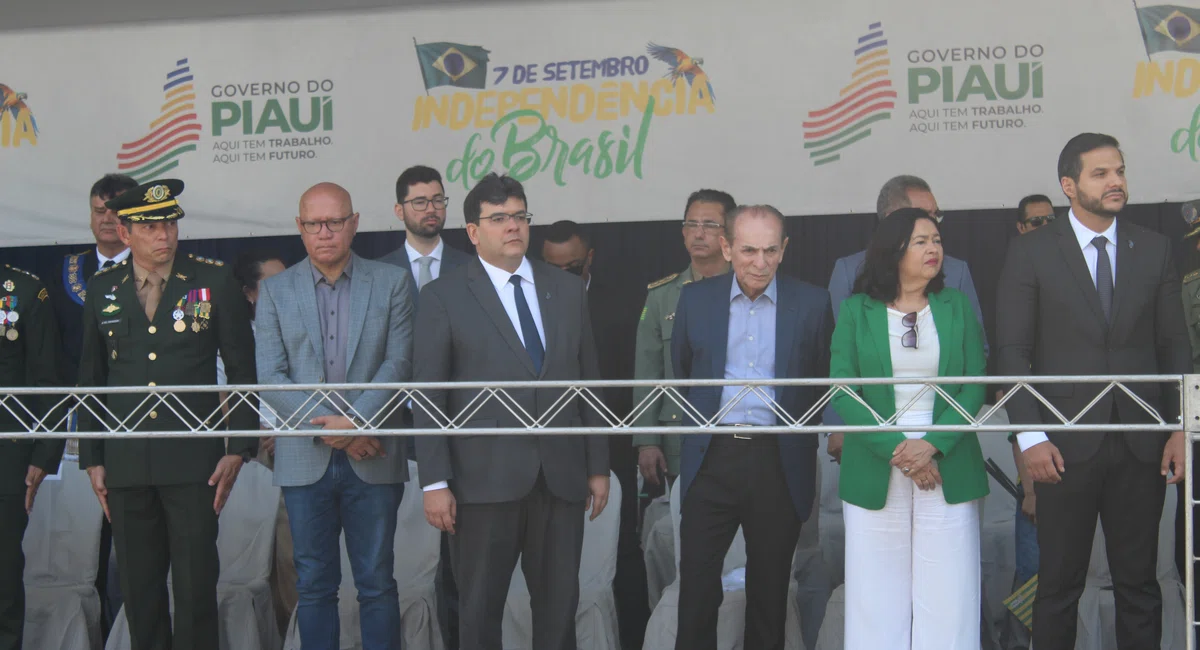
{"points": [[612, 111]]}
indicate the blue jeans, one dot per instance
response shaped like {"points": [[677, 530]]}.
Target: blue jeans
{"points": [[1027, 544], [317, 514]]}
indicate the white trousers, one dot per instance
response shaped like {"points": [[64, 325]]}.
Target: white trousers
{"points": [[912, 572]]}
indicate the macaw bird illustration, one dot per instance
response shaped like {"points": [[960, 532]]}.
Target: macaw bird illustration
{"points": [[14, 102], [681, 64]]}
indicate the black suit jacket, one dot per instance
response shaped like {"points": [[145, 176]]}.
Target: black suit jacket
{"points": [[68, 288], [1049, 322], [700, 341], [464, 334], [615, 326]]}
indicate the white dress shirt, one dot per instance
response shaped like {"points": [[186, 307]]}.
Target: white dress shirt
{"points": [[500, 279], [1084, 236], [435, 269], [101, 259]]}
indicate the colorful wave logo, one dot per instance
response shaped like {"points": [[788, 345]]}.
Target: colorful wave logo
{"points": [[868, 99], [173, 133]]}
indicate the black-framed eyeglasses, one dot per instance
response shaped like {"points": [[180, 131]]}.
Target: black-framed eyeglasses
{"points": [[909, 338], [421, 202], [708, 226], [1038, 222], [334, 225], [502, 219]]}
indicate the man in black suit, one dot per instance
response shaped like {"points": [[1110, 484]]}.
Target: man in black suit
{"points": [[751, 324], [68, 288], [421, 205], [1093, 295], [502, 317], [566, 246]]}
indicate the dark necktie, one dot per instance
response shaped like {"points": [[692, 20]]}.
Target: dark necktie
{"points": [[107, 263], [1104, 277], [529, 331]]}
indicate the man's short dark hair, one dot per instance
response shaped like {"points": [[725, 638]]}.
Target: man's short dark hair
{"points": [[561, 232], [880, 275], [1030, 200], [1070, 161], [412, 176], [894, 194], [493, 189], [111, 186], [728, 205]]}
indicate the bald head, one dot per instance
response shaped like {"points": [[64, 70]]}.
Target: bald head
{"points": [[326, 195], [327, 224]]}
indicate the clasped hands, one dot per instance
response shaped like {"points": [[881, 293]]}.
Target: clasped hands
{"points": [[914, 457], [356, 447]]}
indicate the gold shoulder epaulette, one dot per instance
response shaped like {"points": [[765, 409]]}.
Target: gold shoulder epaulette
{"points": [[206, 260], [1191, 276], [119, 265], [13, 268], [658, 283]]}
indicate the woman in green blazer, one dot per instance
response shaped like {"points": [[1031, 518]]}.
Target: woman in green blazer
{"points": [[910, 500]]}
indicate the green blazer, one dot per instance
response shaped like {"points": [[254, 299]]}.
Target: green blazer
{"points": [[860, 349]]}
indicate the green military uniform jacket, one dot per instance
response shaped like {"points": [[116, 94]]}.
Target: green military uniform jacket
{"points": [[121, 347], [1191, 309], [29, 357], [653, 361]]}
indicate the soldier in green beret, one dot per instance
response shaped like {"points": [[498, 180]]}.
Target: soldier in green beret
{"points": [[159, 319], [29, 356], [703, 225]]}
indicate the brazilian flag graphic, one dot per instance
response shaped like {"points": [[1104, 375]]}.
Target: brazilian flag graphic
{"points": [[1170, 28], [452, 64]]}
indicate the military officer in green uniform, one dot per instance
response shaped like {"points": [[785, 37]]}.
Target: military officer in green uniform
{"points": [[29, 357], [703, 225], [159, 319]]}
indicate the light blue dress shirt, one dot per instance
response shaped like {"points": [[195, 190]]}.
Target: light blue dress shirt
{"points": [[750, 354]]}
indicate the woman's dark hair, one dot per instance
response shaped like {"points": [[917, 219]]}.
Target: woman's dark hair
{"points": [[880, 275], [247, 268]]}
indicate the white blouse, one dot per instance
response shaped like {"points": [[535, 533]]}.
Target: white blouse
{"points": [[909, 362]]}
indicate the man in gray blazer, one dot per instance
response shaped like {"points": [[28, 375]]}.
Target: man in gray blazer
{"points": [[338, 318], [502, 317]]}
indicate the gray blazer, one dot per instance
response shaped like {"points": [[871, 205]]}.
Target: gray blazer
{"points": [[466, 335], [288, 351]]}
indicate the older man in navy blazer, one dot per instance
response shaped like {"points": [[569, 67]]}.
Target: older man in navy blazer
{"points": [[751, 324]]}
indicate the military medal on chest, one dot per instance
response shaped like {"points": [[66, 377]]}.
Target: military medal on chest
{"points": [[177, 315], [200, 308], [9, 317]]}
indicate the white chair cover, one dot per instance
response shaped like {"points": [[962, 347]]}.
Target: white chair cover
{"points": [[731, 617], [658, 547], [62, 556], [245, 545], [596, 621], [997, 535], [417, 550]]}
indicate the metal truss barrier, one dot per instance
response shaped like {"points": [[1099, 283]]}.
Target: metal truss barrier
{"points": [[46, 412]]}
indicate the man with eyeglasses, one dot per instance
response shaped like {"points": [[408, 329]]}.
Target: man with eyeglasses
{"points": [[421, 205], [1033, 212], [567, 246], [505, 318], [337, 318]]}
